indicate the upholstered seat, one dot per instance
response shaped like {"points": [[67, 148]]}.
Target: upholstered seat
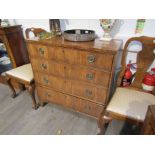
{"points": [[23, 72], [23, 75], [131, 103]]}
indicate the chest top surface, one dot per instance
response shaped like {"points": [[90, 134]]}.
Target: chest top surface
{"points": [[96, 45]]}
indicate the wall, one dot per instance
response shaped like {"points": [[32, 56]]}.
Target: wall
{"points": [[127, 28]]}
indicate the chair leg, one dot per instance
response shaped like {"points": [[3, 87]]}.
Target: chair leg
{"points": [[21, 87], [103, 123], [8, 80], [31, 90]]}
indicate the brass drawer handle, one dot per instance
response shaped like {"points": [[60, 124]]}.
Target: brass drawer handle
{"points": [[45, 80], [41, 51], [88, 92], [89, 76], [43, 66], [47, 94], [91, 58]]}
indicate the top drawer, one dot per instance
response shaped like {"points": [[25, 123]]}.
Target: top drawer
{"points": [[55, 53], [102, 61]]}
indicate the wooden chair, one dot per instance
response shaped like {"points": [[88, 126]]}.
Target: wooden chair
{"points": [[35, 31], [24, 74], [130, 103]]}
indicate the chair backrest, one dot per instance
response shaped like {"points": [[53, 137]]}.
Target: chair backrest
{"points": [[36, 31], [144, 59]]}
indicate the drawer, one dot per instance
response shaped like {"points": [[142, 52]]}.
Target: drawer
{"points": [[57, 69], [103, 61], [90, 108], [95, 93], [53, 82], [56, 53], [38, 51], [84, 106], [53, 53], [49, 66], [88, 75], [50, 95]]}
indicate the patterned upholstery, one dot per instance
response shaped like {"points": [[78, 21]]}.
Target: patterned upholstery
{"points": [[131, 103], [23, 72]]}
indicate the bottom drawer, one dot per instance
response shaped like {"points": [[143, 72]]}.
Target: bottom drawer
{"points": [[74, 103]]}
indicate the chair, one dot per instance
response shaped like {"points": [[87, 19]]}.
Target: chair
{"points": [[35, 31], [24, 74], [130, 103]]}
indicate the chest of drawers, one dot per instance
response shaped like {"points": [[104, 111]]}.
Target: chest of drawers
{"points": [[75, 75]]}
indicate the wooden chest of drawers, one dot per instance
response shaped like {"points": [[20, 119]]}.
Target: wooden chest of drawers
{"points": [[75, 75]]}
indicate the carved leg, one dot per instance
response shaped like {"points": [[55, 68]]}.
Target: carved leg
{"points": [[103, 123], [31, 90], [8, 80]]}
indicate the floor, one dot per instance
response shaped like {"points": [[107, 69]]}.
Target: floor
{"points": [[18, 118]]}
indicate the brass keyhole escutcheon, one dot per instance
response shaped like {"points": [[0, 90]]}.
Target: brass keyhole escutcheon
{"points": [[41, 51], [91, 58], [44, 66], [47, 94], [45, 80], [90, 76]]}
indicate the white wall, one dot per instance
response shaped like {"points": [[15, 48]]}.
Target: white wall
{"points": [[126, 30]]}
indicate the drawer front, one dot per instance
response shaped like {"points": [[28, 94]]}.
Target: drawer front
{"points": [[103, 61], [49, 95], [88, 75], [84, 106], [97, 94], [53, 82], [68, 101], [57, 69], [56, 53], [91, 108], [48, 66], [47, 52], [38, 51]]}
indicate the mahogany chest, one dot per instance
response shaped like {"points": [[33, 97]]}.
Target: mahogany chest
{"points": [[76, 75]]}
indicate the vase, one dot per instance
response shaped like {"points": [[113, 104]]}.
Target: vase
{"points": [[107, 25]]}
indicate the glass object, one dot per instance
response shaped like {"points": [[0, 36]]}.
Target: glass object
{"points": [[107, 25]]}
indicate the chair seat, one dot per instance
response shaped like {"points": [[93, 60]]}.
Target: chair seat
{"points": [[23, 72], [130, 103]]}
